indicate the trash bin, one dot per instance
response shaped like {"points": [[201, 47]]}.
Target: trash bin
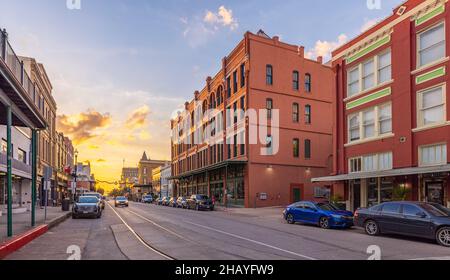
{"points": [[66, 205]]}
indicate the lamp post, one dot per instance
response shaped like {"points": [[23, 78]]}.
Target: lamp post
{"points": [[74, 175]]}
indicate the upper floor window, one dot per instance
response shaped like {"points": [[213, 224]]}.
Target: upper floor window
{"points": [[269, 75], [269, 144], [228, 87], [369, 74], [22, 156], [242, 75], [431, 104], [308, 113], [269, 107], [371, 163], [296, 144], [431, 45], [4, 146], [372, 122], [295, 80], [295, 113], [308, 83], [307, 149], [235, 82], [433, 155]]}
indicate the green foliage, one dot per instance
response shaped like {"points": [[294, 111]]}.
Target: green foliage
{"points": [[400, 193]]}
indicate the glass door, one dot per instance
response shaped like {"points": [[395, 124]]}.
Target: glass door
{"points": [[435, 192]]}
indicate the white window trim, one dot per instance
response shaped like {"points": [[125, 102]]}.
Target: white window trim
{"points": [[418, 66], [431, 145], [360, 67], [377, 160], [419, 118], [377, 134]]}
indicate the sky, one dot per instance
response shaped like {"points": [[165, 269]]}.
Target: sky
{"points": [[121, 68]]}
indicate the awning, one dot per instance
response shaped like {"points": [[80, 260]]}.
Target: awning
{"points": [[208, 168], [385, 173]]}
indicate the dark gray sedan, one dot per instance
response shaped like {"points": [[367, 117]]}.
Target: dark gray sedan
{"points": [[87, 207], [418, 219]]}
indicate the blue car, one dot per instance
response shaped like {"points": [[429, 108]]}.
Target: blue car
{"points": [[325, 215]]}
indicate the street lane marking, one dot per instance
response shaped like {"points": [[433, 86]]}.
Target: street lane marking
{"points": [[140, 238], [159, 226], [253, 241]]}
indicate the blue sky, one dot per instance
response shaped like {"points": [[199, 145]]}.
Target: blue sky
{"points": [[133, 62]]}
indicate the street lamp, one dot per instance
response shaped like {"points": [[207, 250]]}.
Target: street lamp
{"points": [[74, 175]]}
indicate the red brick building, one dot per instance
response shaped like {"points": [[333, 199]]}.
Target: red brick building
{"points": [[392, 125], [261, 73]]}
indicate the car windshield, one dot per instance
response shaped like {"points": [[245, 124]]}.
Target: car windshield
{"points": [[88, 199], [97, 195], [121, 198], [436, 210], [327, 206]]}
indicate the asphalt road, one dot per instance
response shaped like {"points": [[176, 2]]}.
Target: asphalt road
{"points": [[152, 232]]}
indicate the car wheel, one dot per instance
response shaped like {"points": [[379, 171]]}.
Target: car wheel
{"points": [[371, 227], [443, 236], [290, 219], [324, 223]]}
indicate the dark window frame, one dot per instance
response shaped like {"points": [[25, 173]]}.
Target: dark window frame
{"points": [[269, 75]]}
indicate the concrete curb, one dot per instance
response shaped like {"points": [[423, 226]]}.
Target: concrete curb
{"points": [[23, 239]]}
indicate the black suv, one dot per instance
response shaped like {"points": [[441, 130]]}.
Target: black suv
{"points": [[419, 219], [200, 202]]}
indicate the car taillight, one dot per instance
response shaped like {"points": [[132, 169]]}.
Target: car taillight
{"points": [[356, 214]]}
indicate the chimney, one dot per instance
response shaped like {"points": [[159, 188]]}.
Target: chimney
{"points": [[320, 59], [208, 83], [276, 39], [301, 51], [186, 106]]}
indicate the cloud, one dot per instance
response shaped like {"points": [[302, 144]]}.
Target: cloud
{"points": [[324, 48], [200, 29], [222, 17], [82, 127], [138, 117]]}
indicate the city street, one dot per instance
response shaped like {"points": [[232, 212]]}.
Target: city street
{"points": [[152, 232]]}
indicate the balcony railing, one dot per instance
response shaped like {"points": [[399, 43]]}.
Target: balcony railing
{"points": [[15, 65], [16, 164]]}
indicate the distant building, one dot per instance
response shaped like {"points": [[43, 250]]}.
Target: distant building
{"points": [[145, 178], [129, 177], [166, 183]]}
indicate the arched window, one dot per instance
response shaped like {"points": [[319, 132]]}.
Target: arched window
{"points": [[219, 95], [308, 114], [295, 113], [212, 101], [295, 80], [269, 75], [308, 83]]}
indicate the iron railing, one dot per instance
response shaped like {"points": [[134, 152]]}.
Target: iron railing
{"points": [[16, 67]]}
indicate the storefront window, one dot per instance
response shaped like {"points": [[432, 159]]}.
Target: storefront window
{"points": [[386, 189], [372, 192]]}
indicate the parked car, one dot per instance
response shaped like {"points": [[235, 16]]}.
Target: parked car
{"points": [[173, 202], [182, 202], [121, 201], [325, 215], [418, 219], [87, 206], [147, 199], [200, 202], [100, 197], [166, 200], [159, 201]]}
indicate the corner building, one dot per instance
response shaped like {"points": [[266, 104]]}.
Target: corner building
{"points": [[392, 127], [261, 73]]}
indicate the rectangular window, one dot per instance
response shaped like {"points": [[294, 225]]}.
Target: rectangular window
{"points": [[242, 142], [242, 75], [371, 163], [269, 145], [228, 87], [235, 113], [385, 161], [269, 108], [242, 107], [235, 146], [368, 74], [433, 155], [354, 128], [431, 106], [385, 119], [431, 45], [369, 123], [355, 165], [22, 155], [308, 114], [353, 82], [295, 113], [296, 144], [235, 82], [307, 149], [4, 146], [269, 75], [295, 80], [384, 68]]}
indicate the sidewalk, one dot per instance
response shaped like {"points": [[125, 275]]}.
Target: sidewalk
{"points": [[22, 222]]}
